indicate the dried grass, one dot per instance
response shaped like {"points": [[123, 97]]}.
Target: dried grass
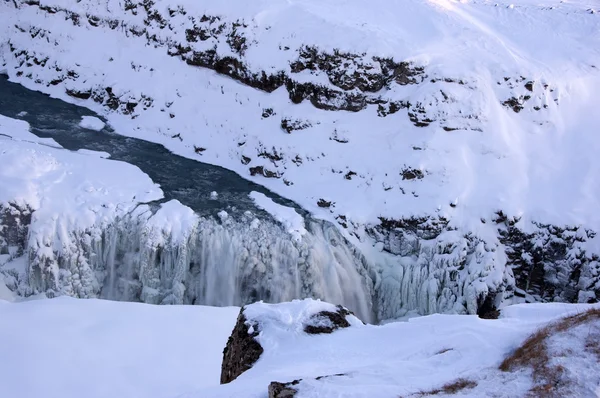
{"points": [[450, 388], [533, 353]]}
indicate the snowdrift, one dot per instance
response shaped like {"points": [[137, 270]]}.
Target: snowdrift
{"points": [[137, 350]]}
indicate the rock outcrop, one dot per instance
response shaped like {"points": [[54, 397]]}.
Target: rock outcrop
{"points": [[283, 390], [242, 349]]}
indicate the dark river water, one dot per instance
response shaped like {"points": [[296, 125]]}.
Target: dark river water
{"points": [[186, 180]]}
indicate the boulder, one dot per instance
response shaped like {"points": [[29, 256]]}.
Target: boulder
{"points": [[312, 317], [241, 351]]}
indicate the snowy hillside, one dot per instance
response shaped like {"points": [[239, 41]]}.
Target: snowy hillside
{"points": [[453, 143], [101, 348]]}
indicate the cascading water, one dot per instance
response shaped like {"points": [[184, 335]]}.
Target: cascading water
{"points": [[204, 261]]}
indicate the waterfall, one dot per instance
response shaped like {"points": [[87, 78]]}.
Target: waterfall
{"points": [[176, 257]]}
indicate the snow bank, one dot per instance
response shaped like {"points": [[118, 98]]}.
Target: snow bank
{"points": [[292, 221], [91, 123], [176, 351], [277, 320], [35, 174], [101, 154], [103, 348]]}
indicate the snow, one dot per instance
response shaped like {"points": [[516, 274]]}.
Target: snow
{"points": [[293, 222], [102, 348], [91, 123], [497, 159], [5, 293], [104, 155], [283, 318], [39, 176], [136, 350], [396, 359]]}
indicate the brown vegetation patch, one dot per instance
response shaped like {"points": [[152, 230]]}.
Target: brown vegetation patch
{"points": [[450, 388], [533, 353]]}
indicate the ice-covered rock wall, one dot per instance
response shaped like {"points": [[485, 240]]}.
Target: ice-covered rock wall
{"points": [[172, 256], [176, 257]]}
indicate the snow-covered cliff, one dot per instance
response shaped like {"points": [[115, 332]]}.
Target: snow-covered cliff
{"points": [[453, 142]]}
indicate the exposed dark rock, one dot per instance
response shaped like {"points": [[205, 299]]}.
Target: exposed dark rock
{"points": [[349, 175], [242, 349], [283, 390], [353, 71], [260, 170], [268, 112], [273, 156], [327, 321], [411, 174], [529, 85], [514, 103], [486, 309], [324, 203], [79, 94], [290, 125], [391, 107], [325, 98]]}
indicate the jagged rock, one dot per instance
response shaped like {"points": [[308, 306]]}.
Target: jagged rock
{"points": [[283, 390], [411, 174], [262, 171], [289, 390], [241, 351], [328, 321]]}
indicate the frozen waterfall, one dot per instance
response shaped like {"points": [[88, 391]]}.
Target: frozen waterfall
{"points": [[176, 257]]}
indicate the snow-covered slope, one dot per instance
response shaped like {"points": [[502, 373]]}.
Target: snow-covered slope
{"points": [[95, 348], [100, 348], [456, 137], [448, 64]]}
